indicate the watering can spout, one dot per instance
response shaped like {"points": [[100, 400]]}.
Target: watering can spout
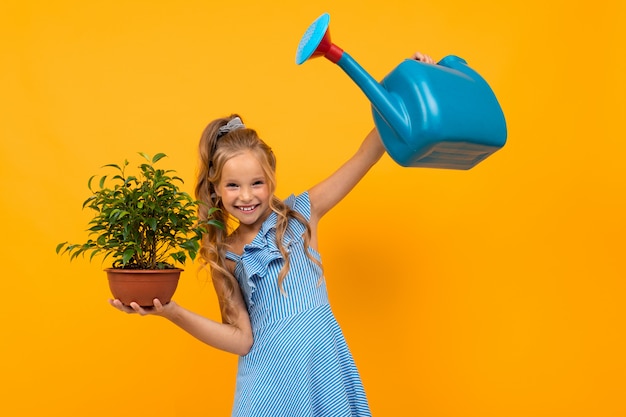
{"points": [[388, 107], [438, 116]]}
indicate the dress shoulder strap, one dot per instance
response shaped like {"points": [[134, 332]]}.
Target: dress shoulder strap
{"points": [[232, 256]]}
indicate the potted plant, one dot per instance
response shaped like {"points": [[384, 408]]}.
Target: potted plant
{"points": [[146, 224]]}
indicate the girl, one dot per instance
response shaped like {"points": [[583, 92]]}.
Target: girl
{"points": [[267, 273]]}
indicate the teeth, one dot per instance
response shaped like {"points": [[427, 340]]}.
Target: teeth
{"points": [[246, 208]]}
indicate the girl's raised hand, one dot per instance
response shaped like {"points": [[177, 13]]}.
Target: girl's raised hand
{"points": [[418, 56]]}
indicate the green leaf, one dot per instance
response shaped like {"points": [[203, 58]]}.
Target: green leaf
{"points": [[90, 199], [190, 245], [112, 166], [60, 246], [75, 254], [157, 157], [212, 210], [128, 254], [179, 257], [89, 182], [216, 223], [93, 254]]}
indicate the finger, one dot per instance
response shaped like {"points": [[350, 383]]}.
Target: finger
{"points": [[138, 309], [418, 56], [117, 304], [158, 306], [120, 306], [423, 58]]}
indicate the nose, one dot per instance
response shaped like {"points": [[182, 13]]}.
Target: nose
{"points": [[245, 194]]}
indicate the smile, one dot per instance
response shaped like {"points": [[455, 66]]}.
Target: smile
{"points": [[247, 209]]}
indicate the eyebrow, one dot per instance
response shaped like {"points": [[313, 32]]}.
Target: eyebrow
{"points": [[259, 178]]}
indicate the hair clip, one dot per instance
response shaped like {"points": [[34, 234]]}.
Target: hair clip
{"points": [[233, 124]]}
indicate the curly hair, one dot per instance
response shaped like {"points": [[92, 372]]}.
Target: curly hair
{"points": [[215, 149]]}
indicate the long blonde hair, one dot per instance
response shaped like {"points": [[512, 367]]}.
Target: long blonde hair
{"points": [[215, 149]]}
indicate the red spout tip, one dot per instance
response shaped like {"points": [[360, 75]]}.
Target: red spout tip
{"points": [[328, 49]]}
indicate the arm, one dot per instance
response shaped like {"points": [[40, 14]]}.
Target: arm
{"points": [[325, 195], [234, 338], [331, 191]]}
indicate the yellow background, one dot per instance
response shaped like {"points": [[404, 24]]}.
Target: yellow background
{"points": [[491, 292]]}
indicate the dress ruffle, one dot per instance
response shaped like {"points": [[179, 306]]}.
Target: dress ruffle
{"points": [[299, 363], [263, 250]]}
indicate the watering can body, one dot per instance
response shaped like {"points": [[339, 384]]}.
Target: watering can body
{"points": [[453, 120], [437, 116]]}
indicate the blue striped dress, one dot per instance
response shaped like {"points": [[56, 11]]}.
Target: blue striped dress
{"points": [[299, 364]]}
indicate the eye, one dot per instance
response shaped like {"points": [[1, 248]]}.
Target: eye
{"points": [[258, 183], [231, 185]]}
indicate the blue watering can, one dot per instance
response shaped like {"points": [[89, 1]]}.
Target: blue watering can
{"points": [[436, 116]]}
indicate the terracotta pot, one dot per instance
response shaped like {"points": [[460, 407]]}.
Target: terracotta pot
{"points": [[143, 286]]}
